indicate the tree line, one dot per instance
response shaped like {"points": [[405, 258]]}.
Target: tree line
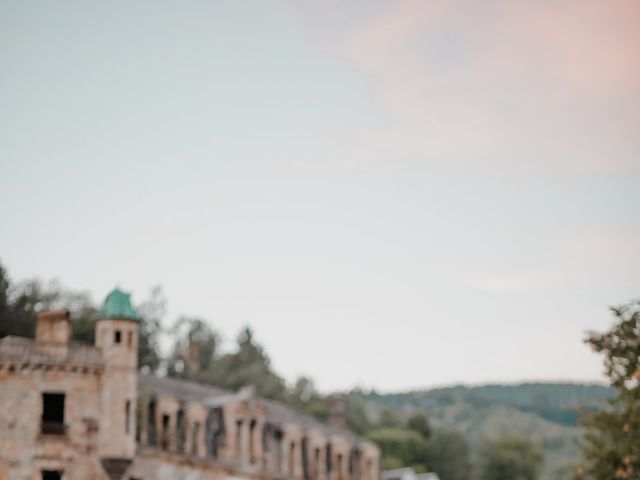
{"points": [[405, 439]]}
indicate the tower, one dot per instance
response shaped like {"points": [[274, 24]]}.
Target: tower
{"points": [[117, 332]]}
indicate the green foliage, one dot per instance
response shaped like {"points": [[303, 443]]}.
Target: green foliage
{"points": [[357, 417], [195, 348], [17, 308], [510, 458], [152, 311], [612, 446], [390, 419], [399, 445], [303, 396], [557, 402], [20, 304], [493, 409], [418, 422], [248, 365], [447, 453]]}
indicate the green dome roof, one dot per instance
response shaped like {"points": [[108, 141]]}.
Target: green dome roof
{"points": [[118, 305]]}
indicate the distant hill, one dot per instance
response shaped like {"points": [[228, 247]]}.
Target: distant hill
{"points": [[544, 412]]}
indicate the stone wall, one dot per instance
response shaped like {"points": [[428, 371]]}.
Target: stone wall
{"points": [[24, 449]]}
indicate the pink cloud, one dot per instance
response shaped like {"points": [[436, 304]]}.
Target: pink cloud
{"points": [[527, 85]]}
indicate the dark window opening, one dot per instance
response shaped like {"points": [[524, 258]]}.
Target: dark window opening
{"points": [[355, 464], [278, 440], [151, 423], [181, 431], [53, 413], [327, 458], [316, 463], [266, 436], [51, 475], [130, 339], [339, 467], [292, 458], [127, 417], [305, 458], [117, 336], [214, 432], [238, 438], [165, 432], [195, 436], [252, 446]]}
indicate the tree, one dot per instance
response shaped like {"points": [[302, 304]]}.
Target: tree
{"points": [[510, 458], [54, 296], [390, 419], [447, 454], [20, 304], [152, 311], [303, 396], [248, 365], [4, 302], [357, 415], [19, 309], [418, 422], [400, 447], [194, 350], [611, 447]]}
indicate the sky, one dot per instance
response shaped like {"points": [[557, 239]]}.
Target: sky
{"points": [[393, 194]]}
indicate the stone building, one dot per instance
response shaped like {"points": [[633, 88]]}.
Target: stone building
{"points": [[83, 412]]}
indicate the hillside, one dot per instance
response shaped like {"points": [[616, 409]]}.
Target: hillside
{"points": [[545, 412]]}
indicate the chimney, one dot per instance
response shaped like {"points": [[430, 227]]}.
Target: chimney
{"points": [[192, 358], [53, 331], [337, 406]]}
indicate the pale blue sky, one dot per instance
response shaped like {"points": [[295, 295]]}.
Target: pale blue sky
{"points": [[396, 194]]}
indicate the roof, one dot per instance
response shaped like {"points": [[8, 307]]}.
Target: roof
{"points": [[210, 396], [27, 350], [182, 390], [118, 305]]}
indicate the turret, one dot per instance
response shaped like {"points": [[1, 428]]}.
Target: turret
{"points": [[117, 330]]}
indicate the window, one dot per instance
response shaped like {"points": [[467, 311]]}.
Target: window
{"points": [[51, 475], [127, 417], [165, 432], [53, 413], [181, 430], [316, 463], [305, 458], [238, 438], [151, 423], [130, 339], [292, 458], [195, 434], [278, 436], [214, 432], [117, 336], [252, 443]]}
